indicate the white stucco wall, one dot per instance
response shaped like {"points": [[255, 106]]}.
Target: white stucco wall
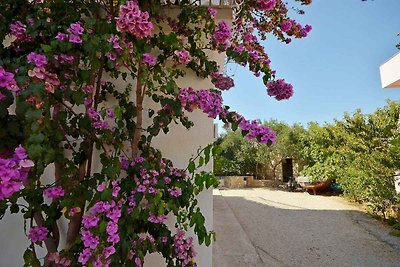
{"points": [[390, 72], [179, 145]]}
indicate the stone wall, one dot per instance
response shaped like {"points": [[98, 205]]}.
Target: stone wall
{"points": [[246, 181]]}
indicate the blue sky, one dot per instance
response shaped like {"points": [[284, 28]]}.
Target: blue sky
{"points": [[334, 70]]}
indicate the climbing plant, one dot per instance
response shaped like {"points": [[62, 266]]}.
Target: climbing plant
{"points": [[74, 75]]}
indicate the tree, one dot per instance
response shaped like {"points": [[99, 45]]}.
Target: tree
{"points": [[240, 156], [361, 153], [61, 64]]}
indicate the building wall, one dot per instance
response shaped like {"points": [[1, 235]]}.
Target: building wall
{"points": [[390, 72], [179, 145]]}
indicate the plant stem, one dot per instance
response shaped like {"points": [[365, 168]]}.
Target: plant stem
{"points": [[139, 115], [84, 171]]}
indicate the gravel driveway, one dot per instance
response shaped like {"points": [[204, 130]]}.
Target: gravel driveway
{"points": [[264, 227]]}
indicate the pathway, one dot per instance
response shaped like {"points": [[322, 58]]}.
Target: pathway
{"points": [[264, 227]]}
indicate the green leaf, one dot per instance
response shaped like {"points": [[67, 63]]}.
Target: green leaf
{"points": [[102, 226], [191, 167], [106, 194], [207, 153], [14, 208], [207, 240], [201, 162], [30, 259], [46, 48], [36, 138]]}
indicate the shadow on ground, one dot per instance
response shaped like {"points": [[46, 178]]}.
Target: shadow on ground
{"points": [[272, 228]]}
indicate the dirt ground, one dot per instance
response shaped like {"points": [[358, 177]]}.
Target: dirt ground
{"points": [[264, 227]]}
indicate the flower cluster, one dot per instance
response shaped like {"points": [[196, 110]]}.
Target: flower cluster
{"points": [[7, 81], [213, 12], [286, 25], [100, 255], [63, 59], [209, 102], [58, 260], [222, 34], [75, 31], [280, 89], [97, 121], [51, 80], [184, 249], [305, 30], [132, 20], [18, 29], [175, 192], [54, 192], [255, 130], [182, 56], [292, 27], [247, 46], [13, 172], [37, 59], [251, 129], [38, 233], [222, 82], [157, 219], [148, 60], [118, 48], [264, 5]]}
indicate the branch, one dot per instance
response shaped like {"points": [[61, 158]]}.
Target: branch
{"points": [[139, 114], [75, 222], [85, 170]]}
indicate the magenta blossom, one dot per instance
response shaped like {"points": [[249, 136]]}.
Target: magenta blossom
{"points": [[38, 233], [209, 102], [212, 11], [76, 29], [222, 34], [18, 29], [84, 256], [176, 192], [264, 5], [7, 80], [149, 60], [184, 248], [37, 59], [61, 36], [75, 39], [222, 82], [286, 26], [183, 56], [54, 192], [13, 172], [280, 89], [134, 21]]}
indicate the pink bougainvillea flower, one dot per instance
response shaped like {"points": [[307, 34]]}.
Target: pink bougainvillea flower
{"points": [[222, 34], [183, 56], [280, 89], [264, 5], [7, 80], [134, 21], [61, 36], [212, 11], [37, 59], [38, 233], [76, 29], [54, 192], [74, 39], [222, 82], [148, 59]]}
